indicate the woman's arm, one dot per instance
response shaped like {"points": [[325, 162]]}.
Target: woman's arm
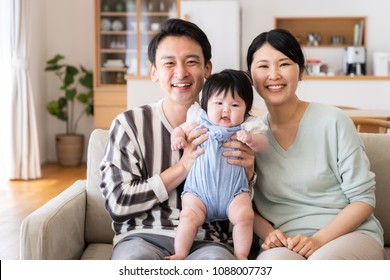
{"points": [[346, 221], [265, 231]]}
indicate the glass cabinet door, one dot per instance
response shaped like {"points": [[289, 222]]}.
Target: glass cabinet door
{"points": [[123, 30]]}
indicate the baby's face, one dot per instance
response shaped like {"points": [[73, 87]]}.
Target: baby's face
{"points": [[225, 110]]}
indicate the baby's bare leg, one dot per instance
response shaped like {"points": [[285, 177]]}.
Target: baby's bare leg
{"points": [[192, 216], [241, 215]]}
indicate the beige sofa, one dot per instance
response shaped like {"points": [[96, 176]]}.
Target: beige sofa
{"points": [[75, 224]]}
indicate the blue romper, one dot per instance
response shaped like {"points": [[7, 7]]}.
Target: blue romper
{"points": [[211, 177]]}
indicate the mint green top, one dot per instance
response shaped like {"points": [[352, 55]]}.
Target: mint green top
{"points": [[301, 189]]}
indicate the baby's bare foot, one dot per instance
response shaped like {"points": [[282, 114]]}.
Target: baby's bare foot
{"points": [[175, 257]]}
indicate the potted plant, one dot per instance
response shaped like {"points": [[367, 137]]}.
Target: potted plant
{"points": [[77, 86]]}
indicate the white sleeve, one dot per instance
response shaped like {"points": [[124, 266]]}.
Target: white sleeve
{"points": [[194, 113], [254, 125]]}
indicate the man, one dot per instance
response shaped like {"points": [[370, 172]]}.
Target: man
{"points": [[142, 178]]}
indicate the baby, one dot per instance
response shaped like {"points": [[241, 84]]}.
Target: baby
{"points": [[214, 189]]}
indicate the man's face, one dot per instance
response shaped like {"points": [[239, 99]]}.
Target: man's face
{"points": [[180, 69]]}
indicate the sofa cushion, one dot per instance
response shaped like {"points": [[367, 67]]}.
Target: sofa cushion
{"points": [[97, 251], [378, 152], [98, 221]]}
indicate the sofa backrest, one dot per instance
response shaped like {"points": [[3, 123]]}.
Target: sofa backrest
{"points": [[378, 152], [98, 222]]}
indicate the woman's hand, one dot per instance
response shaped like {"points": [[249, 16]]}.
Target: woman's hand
{"points": [[276, 238], [241, 155], [303, 245]]}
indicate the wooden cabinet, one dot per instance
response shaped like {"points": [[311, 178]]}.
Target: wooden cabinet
{"points": [[123, 29], [325, 38], [331, 31]]}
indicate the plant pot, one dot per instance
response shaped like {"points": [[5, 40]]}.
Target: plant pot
{"points": [[69, 149]]}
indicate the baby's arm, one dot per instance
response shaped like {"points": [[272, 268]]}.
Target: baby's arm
{"points": [[257, 142], [179, 137]]}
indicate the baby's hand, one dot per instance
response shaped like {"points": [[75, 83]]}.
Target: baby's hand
{"points": [[244, 137], [178, 143]]}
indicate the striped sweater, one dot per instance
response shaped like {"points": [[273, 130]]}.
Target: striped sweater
{"points": [[138, 150]]}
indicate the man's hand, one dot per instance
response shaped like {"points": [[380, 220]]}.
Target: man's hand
{"points": [[194, 139], [241, 155]]}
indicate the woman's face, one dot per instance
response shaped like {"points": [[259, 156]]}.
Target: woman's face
{"points": [[275, 76]]}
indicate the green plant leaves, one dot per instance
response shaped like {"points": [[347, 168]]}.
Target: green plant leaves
{"points": [[71, 78]]}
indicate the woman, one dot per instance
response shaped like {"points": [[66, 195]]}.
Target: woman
{"points": [[314, 193]]}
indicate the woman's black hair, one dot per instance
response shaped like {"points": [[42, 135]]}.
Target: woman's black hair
{"points": [[229, 80], [179, 27], [281, 40]]}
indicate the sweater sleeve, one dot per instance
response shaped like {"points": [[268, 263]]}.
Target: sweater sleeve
{"points": [[125, 185], [357, 181]]}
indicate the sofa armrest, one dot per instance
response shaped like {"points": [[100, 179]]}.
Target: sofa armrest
{"points": [[56, 229]]}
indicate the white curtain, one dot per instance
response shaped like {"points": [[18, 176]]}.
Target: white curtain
{"points": [[5, 87], [24, 162]]}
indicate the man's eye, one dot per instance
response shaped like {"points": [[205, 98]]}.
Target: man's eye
{"points": [[192, 62]]}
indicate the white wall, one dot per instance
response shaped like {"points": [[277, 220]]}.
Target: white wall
{"points": [[37, 51], [70, 32]]}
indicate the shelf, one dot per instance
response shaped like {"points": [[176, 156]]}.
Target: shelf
{"points": [[348, 78], [123, 30], [118, 14], [123, 34], [325, 27]]}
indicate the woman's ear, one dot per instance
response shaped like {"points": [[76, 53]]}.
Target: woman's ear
{"points": [[301, 72]]}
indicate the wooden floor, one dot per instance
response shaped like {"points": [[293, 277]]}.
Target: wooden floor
{"points": [[20, 198]]}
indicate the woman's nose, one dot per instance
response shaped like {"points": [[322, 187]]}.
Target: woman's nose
{"points": [[274, 73]]}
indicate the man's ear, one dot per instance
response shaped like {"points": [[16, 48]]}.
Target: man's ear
{"points": [[208, 69], [153, 73]]}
